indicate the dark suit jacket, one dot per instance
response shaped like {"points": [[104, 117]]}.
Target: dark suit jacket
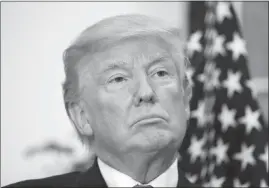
{"points": [[90, 178]]}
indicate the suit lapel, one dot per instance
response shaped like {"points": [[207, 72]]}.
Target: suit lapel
{"points": [[91, 178], [182, 180]]}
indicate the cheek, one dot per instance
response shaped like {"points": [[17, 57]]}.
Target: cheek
{"points": [[113, 107], [171, 98], [169, 93]]}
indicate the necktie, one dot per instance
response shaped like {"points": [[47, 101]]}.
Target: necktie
{"points": [[143, 186]]}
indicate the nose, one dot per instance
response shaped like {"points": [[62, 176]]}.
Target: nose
{"points": [[144, 93]]}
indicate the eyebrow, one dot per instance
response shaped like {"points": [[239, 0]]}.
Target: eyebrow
{"points": [[156, 61], [122, 64], [114, 65]]}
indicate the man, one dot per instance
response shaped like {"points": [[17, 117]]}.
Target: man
{"points": [[127, 95]]}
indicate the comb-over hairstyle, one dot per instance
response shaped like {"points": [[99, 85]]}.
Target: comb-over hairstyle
{"points": [[106, 33]]}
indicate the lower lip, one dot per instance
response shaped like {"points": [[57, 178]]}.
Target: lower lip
{"points": [[150, 121]]}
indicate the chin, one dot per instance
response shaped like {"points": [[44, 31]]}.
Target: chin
{"points": [[155, 141]]}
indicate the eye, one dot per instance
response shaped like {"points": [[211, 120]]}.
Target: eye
{"points": [[160, 73], [117, 80]]}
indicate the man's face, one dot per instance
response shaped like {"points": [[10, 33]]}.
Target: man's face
{"points": [[134, 99]]}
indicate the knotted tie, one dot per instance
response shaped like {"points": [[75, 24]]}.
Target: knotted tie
{"points": [[143, 186]]}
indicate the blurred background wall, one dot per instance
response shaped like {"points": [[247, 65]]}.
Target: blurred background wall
{"points": [[33, 37], [255, 30]]}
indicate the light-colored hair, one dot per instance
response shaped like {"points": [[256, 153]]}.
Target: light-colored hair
{"points": [[106, 33]]}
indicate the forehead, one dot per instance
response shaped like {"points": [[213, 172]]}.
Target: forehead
{"points": [[137, 46], [130, 51]]}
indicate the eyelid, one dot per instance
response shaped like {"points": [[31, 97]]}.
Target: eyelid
{"points": [[115, 76], [159, 69]]}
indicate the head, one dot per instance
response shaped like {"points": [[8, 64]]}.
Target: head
{"points": [[126, 89]]}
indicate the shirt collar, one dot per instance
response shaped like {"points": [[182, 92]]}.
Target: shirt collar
{"points": [[115, 178]]}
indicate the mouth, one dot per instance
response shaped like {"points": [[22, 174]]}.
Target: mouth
{"points": [[150, 120]]}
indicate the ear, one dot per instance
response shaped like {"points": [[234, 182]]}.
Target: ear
{"points": [[80, 119], [187, 105], [187, 95]]}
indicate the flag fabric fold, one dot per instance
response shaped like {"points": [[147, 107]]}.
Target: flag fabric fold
{"points": [[226, 142]]}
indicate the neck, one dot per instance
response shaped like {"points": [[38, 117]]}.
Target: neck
{"points": [[140, 166]]}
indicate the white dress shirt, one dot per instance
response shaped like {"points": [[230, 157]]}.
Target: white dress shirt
{"points": [[115, 178]]}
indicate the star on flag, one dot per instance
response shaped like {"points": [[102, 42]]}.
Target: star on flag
{"points": [[246, 156], [194, 44], [196, 148], [236, 138], [223, 11], [237, 46], [227, 117], [200, 113], [251, 86], [218, 46], [217, 182], [264, 157], [251, 120], [220, 152], [191, 178], [232, 83], [238, 184]]}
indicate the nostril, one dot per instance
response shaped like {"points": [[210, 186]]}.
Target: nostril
{"points": [[145, 93], [145, 99]]}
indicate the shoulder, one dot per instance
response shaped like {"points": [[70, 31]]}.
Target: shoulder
{"points": [[89, 178], [66, 180]]}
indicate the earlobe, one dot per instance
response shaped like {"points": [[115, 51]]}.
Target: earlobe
{"points": [[187, 110], [87, 129], [187, 98]]}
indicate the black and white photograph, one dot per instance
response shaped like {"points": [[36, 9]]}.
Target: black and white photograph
{"points": [[134, 94]]}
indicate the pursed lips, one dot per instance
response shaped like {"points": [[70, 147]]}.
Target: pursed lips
{"points": [[150, 119]]}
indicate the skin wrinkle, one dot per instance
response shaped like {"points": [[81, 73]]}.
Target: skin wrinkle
{"points": [[95, 39], [92, 55], [152, 140], [87, 71], [142, 152], [155, 138]]}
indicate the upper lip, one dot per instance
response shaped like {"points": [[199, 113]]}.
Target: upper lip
{"points": [[149, 117]]}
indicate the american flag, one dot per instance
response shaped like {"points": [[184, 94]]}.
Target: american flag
{"points": [[226, 143]]}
